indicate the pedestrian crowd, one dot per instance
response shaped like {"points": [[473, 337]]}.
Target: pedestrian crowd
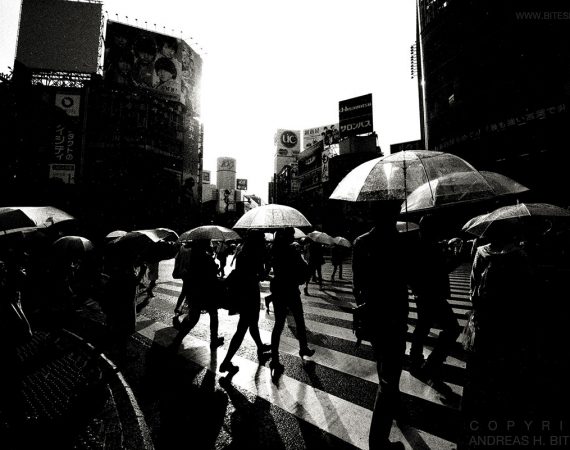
{"points": [[515, 338], [516, 352]]}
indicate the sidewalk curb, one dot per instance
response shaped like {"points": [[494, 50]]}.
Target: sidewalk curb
{"points": [[136, 434]]}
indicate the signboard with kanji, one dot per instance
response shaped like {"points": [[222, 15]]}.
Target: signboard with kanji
{"points": [[355, 116]]}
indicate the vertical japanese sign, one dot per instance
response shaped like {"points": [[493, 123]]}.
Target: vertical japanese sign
{"points": [[355, 116], [67, 138]]}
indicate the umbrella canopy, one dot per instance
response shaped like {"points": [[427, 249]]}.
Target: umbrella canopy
{"points": [[298, 233], [503, 185], [14, 218], [72, 245], [321, 237], [342, 241], [473, 221], [130, 246], [272, 216], [211, 232], [518, 214], [460, 187], [159, 234], [115, 234], [395, 176]]}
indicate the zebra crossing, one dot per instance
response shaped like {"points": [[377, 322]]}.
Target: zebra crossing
{"points": [[334, 391]]}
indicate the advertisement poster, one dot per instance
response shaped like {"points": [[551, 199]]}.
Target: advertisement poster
{"points": [[144, 59], [329, 134], [241, 184]]}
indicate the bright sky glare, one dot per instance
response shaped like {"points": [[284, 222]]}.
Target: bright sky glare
{"points": [[279, 64]]}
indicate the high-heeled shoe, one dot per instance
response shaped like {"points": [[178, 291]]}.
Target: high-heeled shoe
{"points": [[306, 352]]}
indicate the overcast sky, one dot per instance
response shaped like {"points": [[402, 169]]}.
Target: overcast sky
{"points": [[279, 64]]}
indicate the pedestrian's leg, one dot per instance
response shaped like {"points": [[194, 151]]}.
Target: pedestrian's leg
{"points": [[334, 272], [253, 326], [450, 331], [280, 311], [340, 271], [389, 357], [421, 331], [319, 275], [215, 340], [187, 324], [296, 307], [237, 339]]}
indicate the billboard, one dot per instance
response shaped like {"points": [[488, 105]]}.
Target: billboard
{"points": [[287, 142], [206, 177], [144, 59], [227, 200], [241, 184], [330, 134], [59, 35], [355, 116]]}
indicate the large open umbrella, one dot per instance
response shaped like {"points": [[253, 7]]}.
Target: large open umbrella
{"points": [[114, 235], [461, 187], [14, 218], [211, 232], [522, 214], [272, 216], [395, 176], [321, 237], [298, 233], [159, 234], [72, 246], [342, 241]]}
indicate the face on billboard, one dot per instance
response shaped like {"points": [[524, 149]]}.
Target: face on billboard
{"points": [[142, 59], [329, 134]]}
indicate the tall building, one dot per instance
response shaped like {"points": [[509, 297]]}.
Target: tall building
{"points": [[116, 121], [495, 85]]}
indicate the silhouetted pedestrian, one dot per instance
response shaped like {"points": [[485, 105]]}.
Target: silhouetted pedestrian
{"points": [[431, 288], [202, 275], [250, 271], [501, 382], [338, 254], [315, 260], [289, 271], [379, 281]]}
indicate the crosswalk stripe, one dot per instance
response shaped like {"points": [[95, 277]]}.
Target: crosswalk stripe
{"points": [[336, 416], [330, 413]]}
